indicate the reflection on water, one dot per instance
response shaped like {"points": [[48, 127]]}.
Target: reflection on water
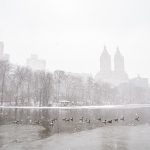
{"points": [[48, 128]]}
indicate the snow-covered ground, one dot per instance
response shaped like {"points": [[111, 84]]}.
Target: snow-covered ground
{"points": [[104, 138]]}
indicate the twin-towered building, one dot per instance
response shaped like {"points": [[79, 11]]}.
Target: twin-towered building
{"points": [[106, 74]]}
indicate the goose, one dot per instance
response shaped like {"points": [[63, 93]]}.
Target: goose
{"points": [[109, 121], [16, 122], [65, 119], [104, 121], [122, 118], [51, 123], [37, 122], [99, 119], [81, 119], [53, 120], [71, 118], [116, 119], [88, 121], [137, 118]]}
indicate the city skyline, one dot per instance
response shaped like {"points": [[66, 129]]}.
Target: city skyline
{"points": [[46, 67], [74, 74], [70, 35]]}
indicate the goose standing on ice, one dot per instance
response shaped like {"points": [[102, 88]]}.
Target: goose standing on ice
{"points": [[109, 121], [88, 121], [116, 119], [99, 119], [16, 122], [137, 117], [122, 118], [105, 121], [51, 124], [71, 118]]}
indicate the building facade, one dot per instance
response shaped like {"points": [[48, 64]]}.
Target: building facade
{"points": [[3, 57], [106, 74], [35, 63], [139, 82]]}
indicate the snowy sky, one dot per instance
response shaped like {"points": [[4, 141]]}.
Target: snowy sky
{"points": [[70, 34]]}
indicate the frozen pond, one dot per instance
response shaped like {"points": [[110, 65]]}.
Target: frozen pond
{"points": [[106, 138], [126, 128]]}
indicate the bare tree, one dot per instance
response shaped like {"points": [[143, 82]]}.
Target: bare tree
{"points": [[4, 73]]}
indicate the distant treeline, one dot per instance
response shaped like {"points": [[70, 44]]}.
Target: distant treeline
{"points": [[22, 86]]}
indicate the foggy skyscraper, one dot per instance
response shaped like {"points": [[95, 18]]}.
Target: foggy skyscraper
{"points": [[4, 57], [118, 62], [1, 48], [35, 63], [105, 62], [106, 73]]}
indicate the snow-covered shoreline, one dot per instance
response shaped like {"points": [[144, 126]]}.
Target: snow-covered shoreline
{"points": [[82, 107]]}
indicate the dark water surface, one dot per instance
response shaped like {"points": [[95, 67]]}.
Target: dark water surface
{"points": [[64, 129]]}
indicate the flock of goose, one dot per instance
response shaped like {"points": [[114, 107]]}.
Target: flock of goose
{"points": [[86, 120], [81, 120]]}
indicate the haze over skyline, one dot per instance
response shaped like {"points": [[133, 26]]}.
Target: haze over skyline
{"points": [[70, 35]]}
